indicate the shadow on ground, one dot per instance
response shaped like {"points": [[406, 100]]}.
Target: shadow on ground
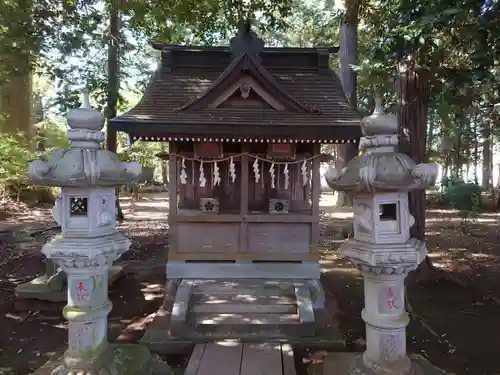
{"points": [[455, 323]]}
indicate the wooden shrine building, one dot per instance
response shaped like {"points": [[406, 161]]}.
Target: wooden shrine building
{"points": [[245, 125]]}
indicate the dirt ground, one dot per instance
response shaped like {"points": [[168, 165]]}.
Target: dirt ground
{"points": [[455, 318]]}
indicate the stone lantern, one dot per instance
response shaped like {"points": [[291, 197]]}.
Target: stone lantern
{"points": [[382, 249], [89, 243]]}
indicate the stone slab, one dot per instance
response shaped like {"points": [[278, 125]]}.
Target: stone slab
{"points": [[128, 359], [38, 288], [341, 362], [159, 338]]}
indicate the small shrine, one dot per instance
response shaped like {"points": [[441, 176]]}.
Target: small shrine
{"points": [[244, 125], [382, 249], [88, 245]]}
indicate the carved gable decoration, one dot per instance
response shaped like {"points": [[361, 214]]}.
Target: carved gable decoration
{"points": [[246, 88]]}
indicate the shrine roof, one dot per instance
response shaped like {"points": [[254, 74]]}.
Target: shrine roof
{"points": [[309, 102]]}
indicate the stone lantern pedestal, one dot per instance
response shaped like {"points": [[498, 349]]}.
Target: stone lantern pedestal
{"points": [[88, 245], [380, 179]]}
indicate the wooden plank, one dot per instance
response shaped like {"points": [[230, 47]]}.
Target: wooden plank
{"points": [[195, 359], [304, 303], [221, 359], [262, 359], [195, 216], [181, 302], [218, 256], [288, 360], [303, 270], [244, 319]]}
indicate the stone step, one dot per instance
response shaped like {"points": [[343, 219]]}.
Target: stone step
{"points": [[229, 308], [242, 303], [252, 287], [160, 340], [248, 325], [242, 319]]}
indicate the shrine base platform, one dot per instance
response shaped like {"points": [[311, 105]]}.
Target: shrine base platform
{"points": [[272, 311]]}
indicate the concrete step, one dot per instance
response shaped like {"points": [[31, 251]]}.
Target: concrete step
{"points": [[242, 303], [252, 287], [242, 319], [249, 324]]}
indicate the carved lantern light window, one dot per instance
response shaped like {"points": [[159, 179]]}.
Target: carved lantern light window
{"points": [[382, 218], [83, 212]]}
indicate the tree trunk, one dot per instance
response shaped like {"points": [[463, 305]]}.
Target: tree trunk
{"points": [[113, 84], [164, 168], [475, 118], [412, 121], [430, 135], [458, 156], [348, 57], [412, 118], [486, 133], [16, 102]]}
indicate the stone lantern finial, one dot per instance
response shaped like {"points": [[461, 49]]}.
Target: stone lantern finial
{"points": [[86, 99], [379, 122], [85, 117]]}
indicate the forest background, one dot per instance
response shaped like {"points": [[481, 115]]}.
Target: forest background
{"points": [[436, 64]]}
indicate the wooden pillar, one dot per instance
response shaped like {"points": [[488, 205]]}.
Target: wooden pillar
{"points": [[315, 194], [244, 199], [172, 196]]}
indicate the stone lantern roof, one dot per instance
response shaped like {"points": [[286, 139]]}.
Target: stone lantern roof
{"points": [[380, 168], [85, 164]]}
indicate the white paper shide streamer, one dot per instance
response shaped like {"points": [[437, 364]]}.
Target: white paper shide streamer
{"points": [[287, 176], [232, 169], [256, 170], [203, 180], [303, 170], [216, 177], [183, 177], [273, 177]]}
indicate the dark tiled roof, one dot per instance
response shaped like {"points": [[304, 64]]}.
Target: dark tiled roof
{"points": [[175, 85], [249, 65]]}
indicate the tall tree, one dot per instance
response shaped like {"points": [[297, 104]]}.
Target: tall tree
{"points": [[348, 59]]}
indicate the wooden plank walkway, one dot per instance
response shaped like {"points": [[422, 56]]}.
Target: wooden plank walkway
{"points": [[232, 358]]}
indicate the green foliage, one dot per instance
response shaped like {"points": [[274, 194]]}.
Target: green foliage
{"points": [[462, 196], [52, 135], [14, 159], [17, 150], [143, 153]]}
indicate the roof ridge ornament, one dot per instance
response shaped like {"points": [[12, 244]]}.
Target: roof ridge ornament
{"points": [[246, 42]]}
